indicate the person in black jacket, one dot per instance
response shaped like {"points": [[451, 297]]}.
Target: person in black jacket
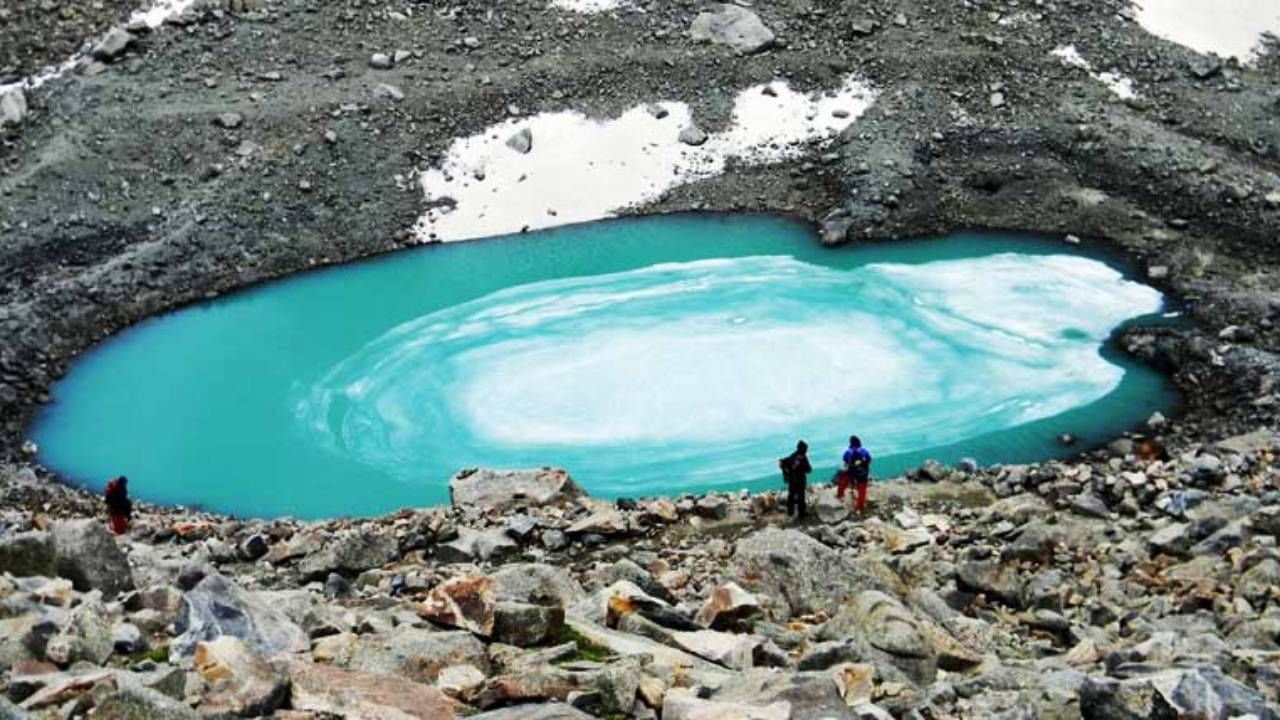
{"points": [[795, 471]]}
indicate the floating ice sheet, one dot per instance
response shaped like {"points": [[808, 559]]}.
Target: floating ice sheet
{"points": [[704, 368], [1224, 27], [580, 168]]}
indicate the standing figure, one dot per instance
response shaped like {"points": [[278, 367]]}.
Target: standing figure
{"points": [[795, 471], [119, 507], [857, 468]]}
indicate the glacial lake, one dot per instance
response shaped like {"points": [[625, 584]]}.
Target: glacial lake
{"points": [[648, 356]]}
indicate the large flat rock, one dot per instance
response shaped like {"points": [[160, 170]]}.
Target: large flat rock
{"points": [[510, 489]]}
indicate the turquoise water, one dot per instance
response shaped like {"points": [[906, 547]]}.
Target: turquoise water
{"points": [[647, 356]]}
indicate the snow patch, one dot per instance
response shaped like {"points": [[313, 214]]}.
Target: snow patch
{"points": [[154, 16], [580, 169], [1223, 27], [1118, 84]]}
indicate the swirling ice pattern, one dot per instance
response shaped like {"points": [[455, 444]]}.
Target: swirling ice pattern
{"points": [[706, 370]]}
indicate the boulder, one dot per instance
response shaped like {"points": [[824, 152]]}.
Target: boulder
{"points": [[418, 655], [614, 683], [629, 571], [525, 625], [510, 489], [113, 44], [735, 652], [357, 695], [460, 681], [811, 695], [537, 584], [798, 574], [1202, 692], [995, 580], [350, 555], [541, 711], [131, 702], [1174, 539], [465, 602], [86, 637], [889, 633], [240, 682], [218, 607], [472, 545], [683, 704], [829, 508], [692, 135], [732, 25], [606, 522], [521, 142], [729, 608], [89, 557], [30, 553]]}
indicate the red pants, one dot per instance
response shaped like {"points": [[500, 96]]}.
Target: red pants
{"points": [[861, 503], [119, 524], [842, 484]]}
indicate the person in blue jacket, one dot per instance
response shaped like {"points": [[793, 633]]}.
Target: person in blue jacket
{"points": [[857, 468]]}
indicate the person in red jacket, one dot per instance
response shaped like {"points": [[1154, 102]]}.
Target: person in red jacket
{"points": [[119, 507]]}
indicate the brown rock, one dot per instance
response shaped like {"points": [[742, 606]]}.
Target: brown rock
{"points": [[357, 695], [466, 602], [729, 608], [240, 682]]}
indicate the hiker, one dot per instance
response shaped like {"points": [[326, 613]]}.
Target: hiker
{"points": [[795, 469], [119, 507], [856, 469]]}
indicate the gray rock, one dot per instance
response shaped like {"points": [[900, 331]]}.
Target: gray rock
{"points": [[134, 702], [27, 554], [85, 637], [472, 545], [1174, 539], [538, 711], [350, 554], [229, 120], [380, 61], [554, 540], [511, 489], [217, 606], [89, 557], [526, 625], [995, 580], [693, 135], [1090, 505], [1204, 67], [9, 711], [732, 25], [1207, 468], [416, 654], [933, 471], [521, 526], [254, 547], [798, 574], [13, 106], [521, 142], [387, 91], [113, 44], [538, 584], [127, 639]]}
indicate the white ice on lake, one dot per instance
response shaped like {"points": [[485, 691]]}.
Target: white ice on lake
{"points": [[581, 168]]}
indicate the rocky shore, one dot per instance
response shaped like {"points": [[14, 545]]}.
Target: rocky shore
{"points": [[1124, 586], [250, 139]]}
